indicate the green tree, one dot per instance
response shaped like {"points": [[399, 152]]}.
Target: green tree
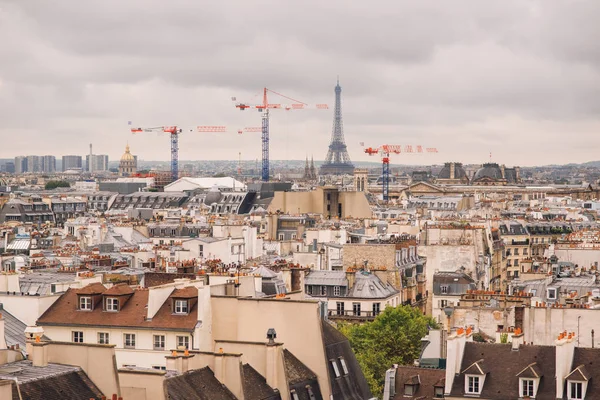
{"points": [[394, 337], [56, 184]]}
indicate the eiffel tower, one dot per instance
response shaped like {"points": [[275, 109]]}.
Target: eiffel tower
{"points": [[337, 161]]}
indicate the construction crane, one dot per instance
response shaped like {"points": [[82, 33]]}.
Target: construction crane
{"points": [[174, 131], [385, 151], [264, 108]]}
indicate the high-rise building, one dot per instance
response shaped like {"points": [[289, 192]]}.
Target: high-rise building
{"points": [[20, 165], [34, 164], [9, 167], [71, 162], [98, 162], [49, 164], [337, 161]]}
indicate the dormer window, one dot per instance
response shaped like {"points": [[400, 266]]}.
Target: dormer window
{"points": [[85, 303], [473, 384], [181, 306], [551, 293], [527, 387], [112, 304], [575, 390]]}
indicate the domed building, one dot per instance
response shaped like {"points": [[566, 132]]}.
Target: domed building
{"points": [[453, 173], [128, 163], [494, 174]]}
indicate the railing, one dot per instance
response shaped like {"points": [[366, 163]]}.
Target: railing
{"points": [[349, 314]]}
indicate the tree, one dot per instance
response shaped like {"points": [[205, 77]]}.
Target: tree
{"points": [[50, 185], [394, 337]]}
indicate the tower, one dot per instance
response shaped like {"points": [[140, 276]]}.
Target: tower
{"points": [[337, 161]]}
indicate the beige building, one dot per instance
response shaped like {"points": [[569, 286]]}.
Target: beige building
{"points": [[327, 201], [208, 339]]}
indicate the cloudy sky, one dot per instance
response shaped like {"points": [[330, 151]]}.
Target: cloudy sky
{"points": [[519, 79]]}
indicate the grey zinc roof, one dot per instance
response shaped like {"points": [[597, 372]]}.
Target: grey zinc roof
{"points": [[369, 286], [24, 371], [14, 329], [326, 278]]}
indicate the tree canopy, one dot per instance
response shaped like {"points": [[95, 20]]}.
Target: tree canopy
{"points": [[394, 337], [56, 184]]}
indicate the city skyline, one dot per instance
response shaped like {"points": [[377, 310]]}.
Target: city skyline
{"points": [[469, 79]]}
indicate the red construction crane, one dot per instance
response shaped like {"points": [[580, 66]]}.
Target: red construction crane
{"points": [[174, 131], [385, 151], [264, 108]]}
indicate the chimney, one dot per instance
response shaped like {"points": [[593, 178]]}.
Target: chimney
{"points": [[39, 355], [565, 349], [2, 338], [451, 355], [518, 338], [452, 170], [461, 341], [350, 275], [179, 362], [502, 170]]}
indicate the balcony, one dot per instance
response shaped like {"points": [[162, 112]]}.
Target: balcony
{"points": [[350, 315]]}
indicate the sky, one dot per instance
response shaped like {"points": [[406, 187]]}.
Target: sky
{"points": [[513, 81]]}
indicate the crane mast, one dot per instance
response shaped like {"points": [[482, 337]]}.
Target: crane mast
{"points": [[385, 151]]}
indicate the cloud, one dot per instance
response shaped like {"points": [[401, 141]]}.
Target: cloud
{"points": [[467, 76]]}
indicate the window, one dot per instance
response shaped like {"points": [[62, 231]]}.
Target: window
{"points": [[444, 289], [344, 366], [281, 236], [183, 341], [516, 252], [336, 291], [376, 308], [308, 289], [159, 367], [409, 390], [551, 293], [575, 390], [103, 338], [438, 392], [473, 384], [323, 290], [524, 252], [443, 303], [356, 309], [85, 303], [340, 308], [159, 342], [77, 337], [112, 304], [201, 250], [336, 370], [527, 387], [129, 341], [181, 306]]}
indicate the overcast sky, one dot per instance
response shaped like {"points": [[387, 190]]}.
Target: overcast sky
{"points": [[519, 79]]}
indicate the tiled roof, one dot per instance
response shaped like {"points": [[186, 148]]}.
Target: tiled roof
{"points": [[426, 378], [255, 386], [589, 358], [189, 292], [119, 290], [502, 365], [295, 370], [53, 382], [198, 384], [351, 386], [92, 288], [132, 314]]}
